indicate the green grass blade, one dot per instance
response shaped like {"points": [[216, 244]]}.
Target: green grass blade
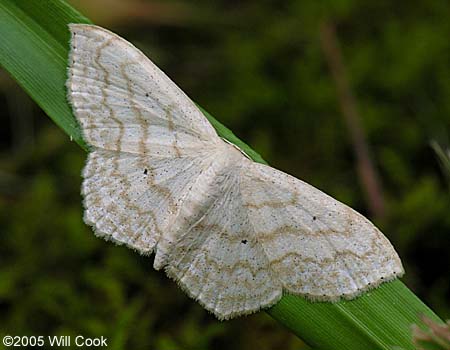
{"points": [[443, 156], [34, 48], [34, 51]]}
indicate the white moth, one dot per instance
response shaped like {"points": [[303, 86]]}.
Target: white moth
{"points": [[234, 234]]}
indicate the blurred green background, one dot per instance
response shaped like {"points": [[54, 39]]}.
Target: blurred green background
{"points": [[268, 71]]}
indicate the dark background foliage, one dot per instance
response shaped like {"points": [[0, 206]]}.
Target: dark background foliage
{"points": [[261, 69]]}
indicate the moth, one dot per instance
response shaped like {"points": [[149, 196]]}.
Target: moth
{"points": [[234, 234]]}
